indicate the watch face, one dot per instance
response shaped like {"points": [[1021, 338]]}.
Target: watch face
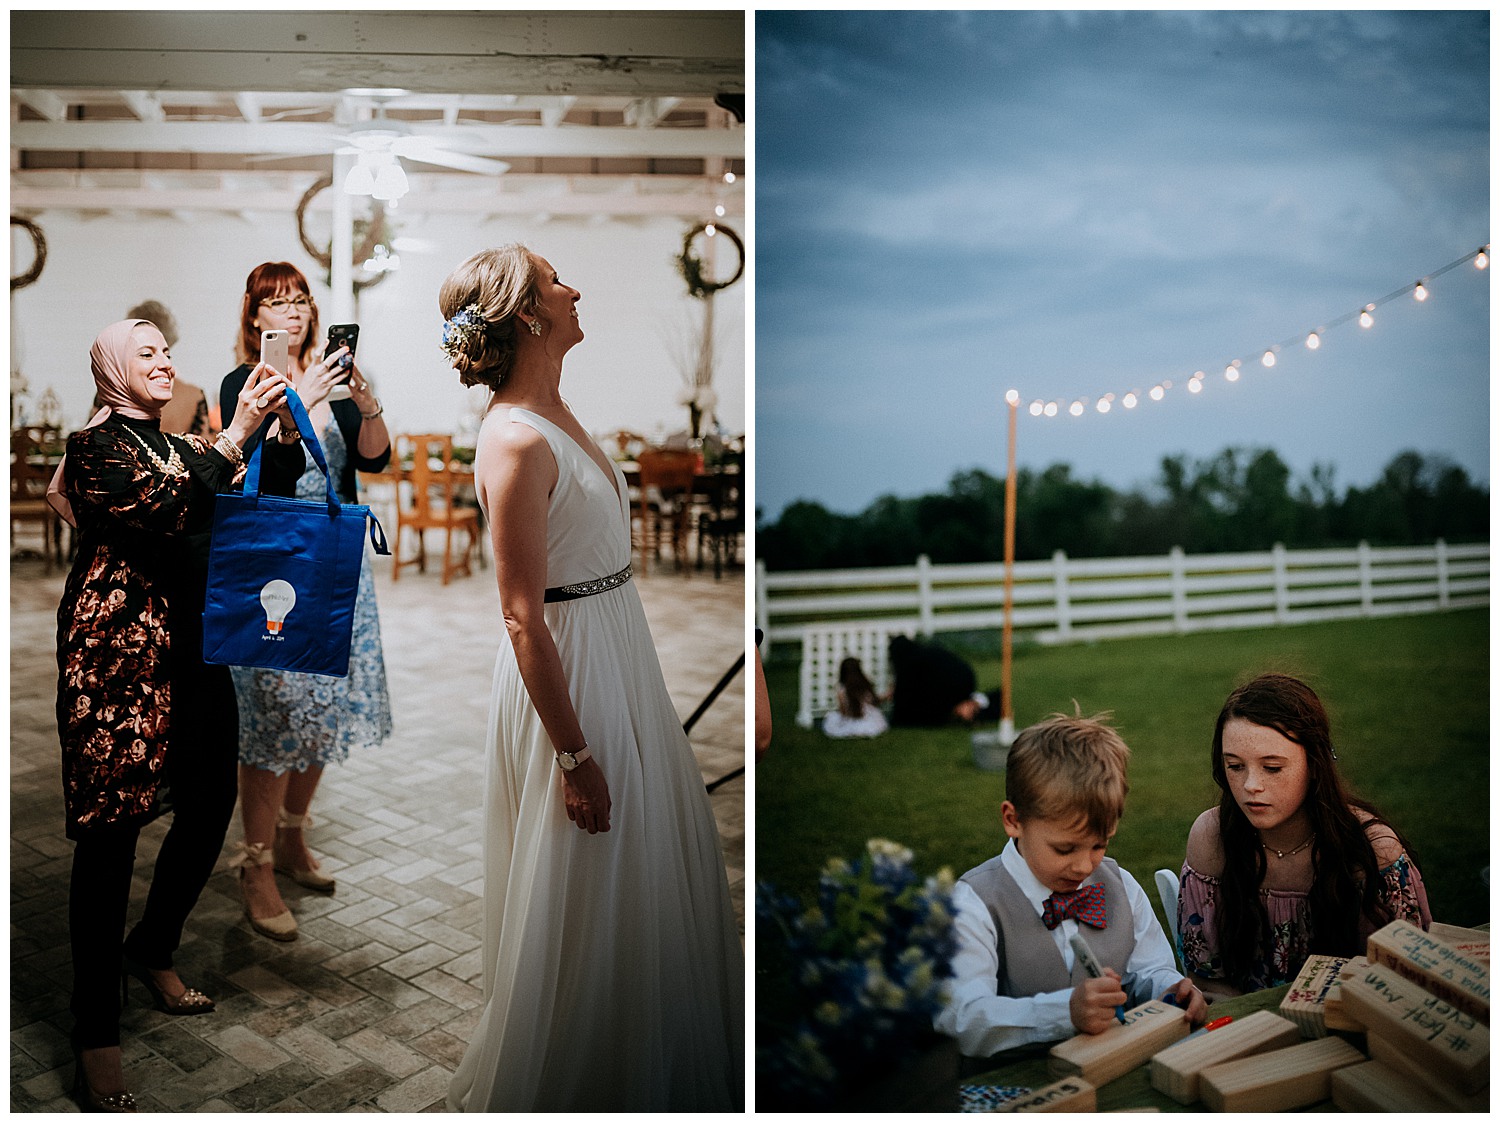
{"points": [[568, 761]]}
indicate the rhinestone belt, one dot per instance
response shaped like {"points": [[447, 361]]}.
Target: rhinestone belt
{"points": [[587, 588]]}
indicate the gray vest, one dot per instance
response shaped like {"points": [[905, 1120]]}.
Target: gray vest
{"points": [[1030, 963]]}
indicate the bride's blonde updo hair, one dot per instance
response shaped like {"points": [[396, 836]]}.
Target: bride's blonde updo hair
{"points": [[479, 302]]}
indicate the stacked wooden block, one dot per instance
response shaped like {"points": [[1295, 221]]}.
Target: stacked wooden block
{"points": [[1420, 998], [1424, 1007]]}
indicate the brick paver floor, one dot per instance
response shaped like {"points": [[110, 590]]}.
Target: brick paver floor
{"points": [[370, 1007]]}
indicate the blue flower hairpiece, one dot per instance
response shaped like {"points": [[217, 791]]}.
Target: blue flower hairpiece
{"points": [[460, 330]]}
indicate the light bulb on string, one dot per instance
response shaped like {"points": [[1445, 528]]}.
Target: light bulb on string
{"points": [[1482, 258], [1231, 373], [1076, 409], [1314, 341], [1103, 405], [1157, 393], [1195, 384], [719, 210], [1365, 319], [1036, 408], [729, 177], [1012, 397], [1420, 292], [1129, 400], [1050, 409], [1268, 359]]}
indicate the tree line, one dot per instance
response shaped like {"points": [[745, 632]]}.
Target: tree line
{"points": [[1241, 499]]}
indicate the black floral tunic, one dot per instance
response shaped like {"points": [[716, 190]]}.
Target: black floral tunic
{"points": [[134, 594]]}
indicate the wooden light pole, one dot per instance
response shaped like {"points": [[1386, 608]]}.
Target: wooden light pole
{"points": [[1007, 710]]}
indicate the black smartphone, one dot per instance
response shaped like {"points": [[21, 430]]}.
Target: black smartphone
{"points": [[342, 335]]}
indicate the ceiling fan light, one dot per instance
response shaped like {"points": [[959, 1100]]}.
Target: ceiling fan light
{"points": [[390, 182], [360, 180]]}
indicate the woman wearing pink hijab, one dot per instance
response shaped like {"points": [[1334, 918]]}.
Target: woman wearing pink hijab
{"points": [[146, 726]]}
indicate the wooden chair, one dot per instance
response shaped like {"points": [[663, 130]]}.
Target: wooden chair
{"points": [[721, 517], [429, 501], [29, 477], [666, 500]]}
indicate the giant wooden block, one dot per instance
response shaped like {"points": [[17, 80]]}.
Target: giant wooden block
{"points": [[1175, 1070], [1438, 967], [1304, 1001], [1334, 1014], [1279, 1080], [1402, 1062], [1374, 1087], [1451, 1043], [1068, 1094], [1472, 942], [1100, 1057]]}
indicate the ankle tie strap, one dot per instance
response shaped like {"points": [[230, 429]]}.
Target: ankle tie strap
{"points": [[251, 854], [285, 819]]}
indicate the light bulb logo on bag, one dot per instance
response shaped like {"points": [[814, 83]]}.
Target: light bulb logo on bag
{"points": [[278, 598]]}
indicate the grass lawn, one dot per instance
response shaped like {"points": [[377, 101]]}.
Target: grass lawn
{"points": [[1408, 698]]}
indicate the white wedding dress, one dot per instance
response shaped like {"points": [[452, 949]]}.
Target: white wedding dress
{"points": [[613, 969]]}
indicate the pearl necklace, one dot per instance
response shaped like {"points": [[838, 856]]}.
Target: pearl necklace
{"points": [[172, 466], [1288, 853]]}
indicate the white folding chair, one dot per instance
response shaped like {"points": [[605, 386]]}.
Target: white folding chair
{"points": [[1167, 888]]}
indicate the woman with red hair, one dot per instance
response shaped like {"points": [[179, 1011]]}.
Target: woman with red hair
{"points": [[293, 725]]}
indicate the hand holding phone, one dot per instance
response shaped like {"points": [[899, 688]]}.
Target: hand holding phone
{"points": [[273, 349], [342, 335]]}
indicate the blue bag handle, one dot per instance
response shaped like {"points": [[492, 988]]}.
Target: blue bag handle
{"points": [[310, 442]]}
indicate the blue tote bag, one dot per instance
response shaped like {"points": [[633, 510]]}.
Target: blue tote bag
{"points": [[283, 574]]}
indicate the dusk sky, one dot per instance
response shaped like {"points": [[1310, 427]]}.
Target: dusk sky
{"points": [[952, 204]]}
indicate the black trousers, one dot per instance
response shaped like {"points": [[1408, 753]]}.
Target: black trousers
{"points": [[200, 784]]}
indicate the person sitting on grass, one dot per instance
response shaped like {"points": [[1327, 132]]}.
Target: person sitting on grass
{"points": [[1289, 863], [858, 713], [1017, 980]]}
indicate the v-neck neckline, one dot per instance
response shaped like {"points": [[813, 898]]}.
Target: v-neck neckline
{"points": [[608, 474]]}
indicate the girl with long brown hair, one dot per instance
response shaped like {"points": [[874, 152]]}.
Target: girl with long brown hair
{"points": [[1290, 863]]}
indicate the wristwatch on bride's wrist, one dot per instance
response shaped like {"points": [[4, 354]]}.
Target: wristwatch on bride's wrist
{"points": [[569, 761]]}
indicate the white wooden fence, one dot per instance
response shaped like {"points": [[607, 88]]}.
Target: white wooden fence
{"points": [[1062, 600]]}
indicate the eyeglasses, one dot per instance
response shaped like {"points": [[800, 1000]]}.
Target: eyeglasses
{"points": [[280, 304]]}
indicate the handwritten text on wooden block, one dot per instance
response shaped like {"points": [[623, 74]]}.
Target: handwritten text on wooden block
{"points": [[1450, 1041], [1101, 1057], [1438, 967], [1304, 1002], [1068, 1094]]}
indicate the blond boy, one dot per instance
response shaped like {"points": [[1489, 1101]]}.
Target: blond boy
{"points": [[1016, 978]]}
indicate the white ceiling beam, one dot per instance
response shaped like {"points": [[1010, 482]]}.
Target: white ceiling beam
{"points": [[44, 102], [638, 54], [251, 106], [285, 138], [146, 106], [647, 112]]}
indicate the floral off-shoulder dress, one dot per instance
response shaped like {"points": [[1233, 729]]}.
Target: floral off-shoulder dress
{"points": [[1291, 926]]}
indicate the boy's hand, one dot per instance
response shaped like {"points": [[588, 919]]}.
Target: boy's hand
{"points": [[1094, 1001], [1188, 997]]}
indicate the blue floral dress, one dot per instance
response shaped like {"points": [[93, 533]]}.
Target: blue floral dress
{"points": [[293, 722]]}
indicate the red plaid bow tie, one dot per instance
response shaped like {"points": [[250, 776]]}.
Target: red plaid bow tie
{"points": [[1084, 905]]}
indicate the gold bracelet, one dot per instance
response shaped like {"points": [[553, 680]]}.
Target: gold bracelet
{"points": [[229, 450], [379, 409], [294, 434]]}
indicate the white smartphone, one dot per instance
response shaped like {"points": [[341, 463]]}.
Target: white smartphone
{"points": [[273, 350]]}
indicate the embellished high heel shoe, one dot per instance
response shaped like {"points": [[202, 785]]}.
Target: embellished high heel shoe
{"points": [[89, 1100], [189, 1002], [282, 926], [307, 878]]}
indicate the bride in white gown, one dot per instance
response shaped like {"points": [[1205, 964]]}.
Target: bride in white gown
{"points": [[613, 970]]}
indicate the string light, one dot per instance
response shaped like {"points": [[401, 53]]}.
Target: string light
{"points": [[1012, 396], [1313, 340]]}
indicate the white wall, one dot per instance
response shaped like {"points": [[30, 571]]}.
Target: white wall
{"points": [[622, 375]]}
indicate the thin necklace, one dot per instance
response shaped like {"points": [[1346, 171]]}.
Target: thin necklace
{"points": [[172, 466], [1288, 853]]}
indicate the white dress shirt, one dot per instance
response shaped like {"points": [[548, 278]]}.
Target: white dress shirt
{"points": [[985, 1022]]}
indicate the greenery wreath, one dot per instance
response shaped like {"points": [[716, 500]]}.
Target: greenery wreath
{"points": [[373, 229], [691, 265], [39, 254]]}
